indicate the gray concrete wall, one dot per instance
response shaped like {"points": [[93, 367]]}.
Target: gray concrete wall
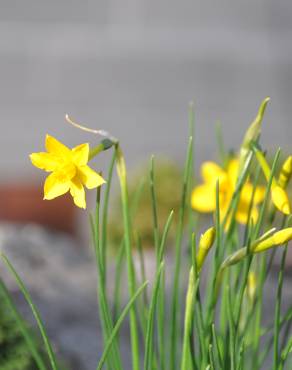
{"points": [[132, 67]]}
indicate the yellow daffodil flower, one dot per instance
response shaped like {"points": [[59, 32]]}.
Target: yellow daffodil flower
{"points": [[69, 168], [203, 197]]}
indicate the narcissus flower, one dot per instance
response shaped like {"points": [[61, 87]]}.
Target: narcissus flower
{"points": [[69, 168], [204, 195]]}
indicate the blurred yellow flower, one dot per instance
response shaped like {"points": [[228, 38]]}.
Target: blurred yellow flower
{"points": [[69, 168], [203, 197]]}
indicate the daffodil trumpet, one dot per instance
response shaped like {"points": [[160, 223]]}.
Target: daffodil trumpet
{"points": [[69, 169]]}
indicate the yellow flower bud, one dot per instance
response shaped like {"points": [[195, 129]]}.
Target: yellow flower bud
{"points": [[205, 244], [286, 172], [279, 238], [278, 193], [280, 199], [251, 285]]}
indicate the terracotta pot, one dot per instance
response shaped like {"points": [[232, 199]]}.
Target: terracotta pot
{"points": [[24, 203]]}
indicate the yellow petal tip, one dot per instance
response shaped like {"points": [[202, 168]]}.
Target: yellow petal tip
{"points": [[286, 209]]}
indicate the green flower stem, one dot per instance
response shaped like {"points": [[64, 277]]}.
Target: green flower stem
{"points": [[118, 279], [278, 310], [114, 361], [149, 343], [175, 293], [189, 309], [154, 210], [118, 325], [218, 352], [161, 296], [35, 312], [122, 174], [104, 145], [105, 213], [262, 267]]}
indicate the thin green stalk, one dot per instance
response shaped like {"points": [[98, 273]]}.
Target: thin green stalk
{"points": [[199, 320], [23, 328], [154, 209], [149, 346], [142, 265], [105, 212], [118, 324], [231, 330], [189, 309], [262, 273], [240, 364], [278, 310], [238, 303], [118, 280], [266, 199], [114, 361], [285, 353], [175, 294], [212, 298], [218, 352], [161, 296], [122, 174], [34, 311], [235, 196], [164, 236], [211, 357]]}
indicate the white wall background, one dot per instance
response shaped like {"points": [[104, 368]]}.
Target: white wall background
{"points": [[132, 66]]}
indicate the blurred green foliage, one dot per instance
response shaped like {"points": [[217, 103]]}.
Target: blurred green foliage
{"points": [[14, 353], [168, 179]]}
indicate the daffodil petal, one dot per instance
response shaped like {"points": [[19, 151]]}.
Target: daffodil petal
{"points": [[54, 187], [78, 193], [45, 161], [280, 199], [89, 177], [259, 194], [203, 198], [56, 147], [232, 171], [247, 190], [243, 213], [211, 172], [80, 154]]}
